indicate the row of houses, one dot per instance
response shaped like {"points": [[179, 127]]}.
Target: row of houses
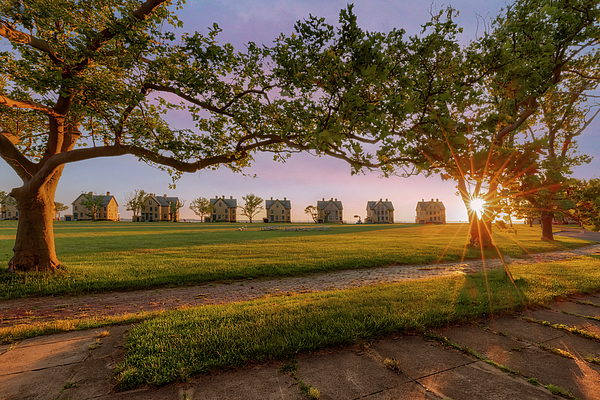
{"points": [[165, 208], [225, 210], [155, 208]]}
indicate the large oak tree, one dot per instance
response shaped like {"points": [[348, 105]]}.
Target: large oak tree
{"points": [[95, 79]]}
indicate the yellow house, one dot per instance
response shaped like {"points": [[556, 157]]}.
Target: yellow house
{"points": [[224, 210], [279, 210], [9, 211], [380, 212], [430, 212], [109, 211], [330, 211], [157, 208]]}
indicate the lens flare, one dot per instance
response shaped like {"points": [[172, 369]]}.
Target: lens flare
{"points": [[477, 205]]}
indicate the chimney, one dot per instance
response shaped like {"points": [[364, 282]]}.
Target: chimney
{"points": [[108, 193], [271, 197], [165, 196], [380, 199], [231, 197], [386, 199], [437, 200], [284, 199], [323, 198], [91, 193], [432, 199], [336, 199], [423, 200]]}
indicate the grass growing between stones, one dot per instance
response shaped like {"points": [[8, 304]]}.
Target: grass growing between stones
{"points": [[116, 256], [180, 344]]}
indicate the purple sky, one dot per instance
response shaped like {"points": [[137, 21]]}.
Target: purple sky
{"points": [[304, 179]]}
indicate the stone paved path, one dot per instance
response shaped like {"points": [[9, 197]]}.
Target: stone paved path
{"points": [[535, 359]]}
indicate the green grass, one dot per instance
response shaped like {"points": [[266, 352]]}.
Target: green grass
{"points": [[180, 344], [106, 256]]}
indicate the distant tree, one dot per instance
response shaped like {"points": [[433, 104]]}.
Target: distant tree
{"points": [[6, 199], [201, 207], [313, 212], [60, 207], [586, 198], [252, 206], [92, 204], [174, 208], [134, 202]]}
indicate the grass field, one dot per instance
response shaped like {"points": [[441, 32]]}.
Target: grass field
{"points": [[105, 256], [177, 345]]}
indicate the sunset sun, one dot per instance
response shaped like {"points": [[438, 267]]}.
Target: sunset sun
{"points": [[477, 205]]}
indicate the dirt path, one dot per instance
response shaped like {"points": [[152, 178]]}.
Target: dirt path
{"points": [[41, 309]]}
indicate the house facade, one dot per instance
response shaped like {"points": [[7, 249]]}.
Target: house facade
{"points": [[225, 210], [160, 208], [9, 211], [109, 211], [330, 211], [430, 212], [279, 210], [380, 212]]}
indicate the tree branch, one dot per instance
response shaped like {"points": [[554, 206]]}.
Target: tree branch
{"points": [[24, 104], [19, 163], [203, 104], [16, 36]]}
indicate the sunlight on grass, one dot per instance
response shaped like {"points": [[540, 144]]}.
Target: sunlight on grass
{"points": [[184, 343], [108, 256]]}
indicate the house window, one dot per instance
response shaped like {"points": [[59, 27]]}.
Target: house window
{"points": [[155, 215], [272, 211]]}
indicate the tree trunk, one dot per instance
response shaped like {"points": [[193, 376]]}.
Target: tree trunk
{"points": [[480, 233], [546, 220], [34, 247]]}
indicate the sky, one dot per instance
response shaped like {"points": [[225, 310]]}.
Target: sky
{"points": [[303, 179]]}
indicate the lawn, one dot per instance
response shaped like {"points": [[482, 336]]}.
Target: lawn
{"points": [[179, 344], [105, 256]]}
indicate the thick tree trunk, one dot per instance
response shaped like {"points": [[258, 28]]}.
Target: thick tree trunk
{"points": [[546, 220], [480, 233], [34, 247]]}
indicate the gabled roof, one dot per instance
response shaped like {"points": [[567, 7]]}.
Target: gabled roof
{"points": [[231, 203], [285, 203], [322, 204], [388, 204], [164, 201], [106, 199], [423, 205]]}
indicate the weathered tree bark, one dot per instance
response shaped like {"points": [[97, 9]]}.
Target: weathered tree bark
{"points": [[546, 220], [34, 246]]}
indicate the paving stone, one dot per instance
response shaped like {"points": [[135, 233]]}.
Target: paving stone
{"points": [[262, 382], [418, 358], [484, 342], [549, 368], [44, 355], [521, 330], [556, 317], [46, 384], [578, 346], [574, 308], [482, 381], [406, 391], [346, 374]]}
